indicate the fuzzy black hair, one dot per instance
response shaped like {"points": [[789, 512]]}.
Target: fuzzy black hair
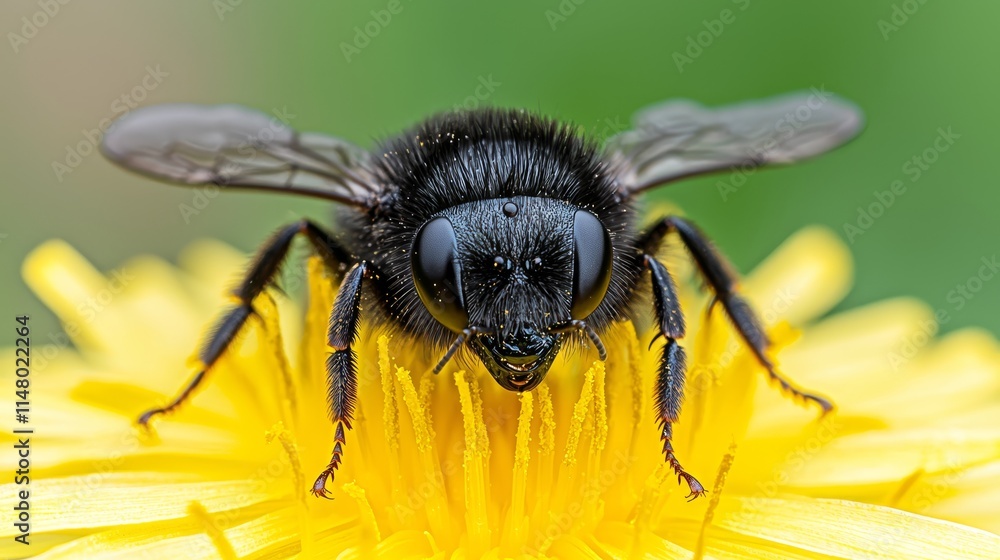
{"points": [[457, 158], [491, 153]]}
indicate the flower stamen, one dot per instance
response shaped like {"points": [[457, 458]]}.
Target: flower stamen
{"points": [[390, 421], [215, 533], [546, 455], [370, 534], [568, 475], [291, 449], [477, 523], [267, 312], [580, 410], [720, 482], [908, 483], [516, 526], [437, 505]]}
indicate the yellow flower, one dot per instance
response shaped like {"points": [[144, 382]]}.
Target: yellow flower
{"points": [[452, 466]]}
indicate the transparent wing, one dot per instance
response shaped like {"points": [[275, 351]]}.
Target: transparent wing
{"points": [[232, 146], [681, 138]]}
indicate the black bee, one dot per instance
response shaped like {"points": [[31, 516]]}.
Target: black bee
{"points": [[497, 230]]}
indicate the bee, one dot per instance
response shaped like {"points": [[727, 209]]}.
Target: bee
{"points": [[499, 233]]}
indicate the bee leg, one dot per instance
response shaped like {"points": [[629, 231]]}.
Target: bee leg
{"points": [[719, 275], [341, 368], [261, 273], [669, 391]]}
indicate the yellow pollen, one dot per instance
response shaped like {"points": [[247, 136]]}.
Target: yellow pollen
{"points": [[390, 413], [421, 432], [579, 416], [546, 455], [547, 415], [635, 374], [600, 411], [390, 420], [429, 467], [482, 437], [516, 526], [291, 448], [476, 521], [522, 452], [287, 441], [426, 392]]}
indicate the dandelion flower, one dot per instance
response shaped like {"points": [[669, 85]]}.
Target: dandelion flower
{"points": [[453, 466]]}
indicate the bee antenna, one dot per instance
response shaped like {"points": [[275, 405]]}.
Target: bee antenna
{"points": [[578, 325], [459, 340]]}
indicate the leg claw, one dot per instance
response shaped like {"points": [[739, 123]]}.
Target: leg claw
{"points": [[824, 404], [319, 487], [145, 417], [695, 487]]}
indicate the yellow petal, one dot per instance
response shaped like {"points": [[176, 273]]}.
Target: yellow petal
{"points": [[82, 502], [851, 530], [891, 455]]}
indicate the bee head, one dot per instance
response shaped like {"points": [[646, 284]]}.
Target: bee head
{"points": [[507, 272]]}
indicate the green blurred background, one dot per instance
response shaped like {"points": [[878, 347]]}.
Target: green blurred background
{"points": [[592, 62]]}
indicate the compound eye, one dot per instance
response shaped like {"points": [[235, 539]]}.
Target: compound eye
{"points": [[591, 264], [437, 273]]}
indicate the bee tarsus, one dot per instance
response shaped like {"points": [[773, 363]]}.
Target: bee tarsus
{"points": [[319, 486]]}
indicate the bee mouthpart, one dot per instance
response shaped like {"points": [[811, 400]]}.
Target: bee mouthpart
{"points": [[518, 363], [521, 382]]}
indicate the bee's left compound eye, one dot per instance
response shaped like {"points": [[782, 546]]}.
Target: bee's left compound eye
{"points": [[437, 273], [591, 264]]}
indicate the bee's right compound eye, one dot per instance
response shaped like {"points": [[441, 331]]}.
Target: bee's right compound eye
{"points": [[591, 264], [437, 273]]}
